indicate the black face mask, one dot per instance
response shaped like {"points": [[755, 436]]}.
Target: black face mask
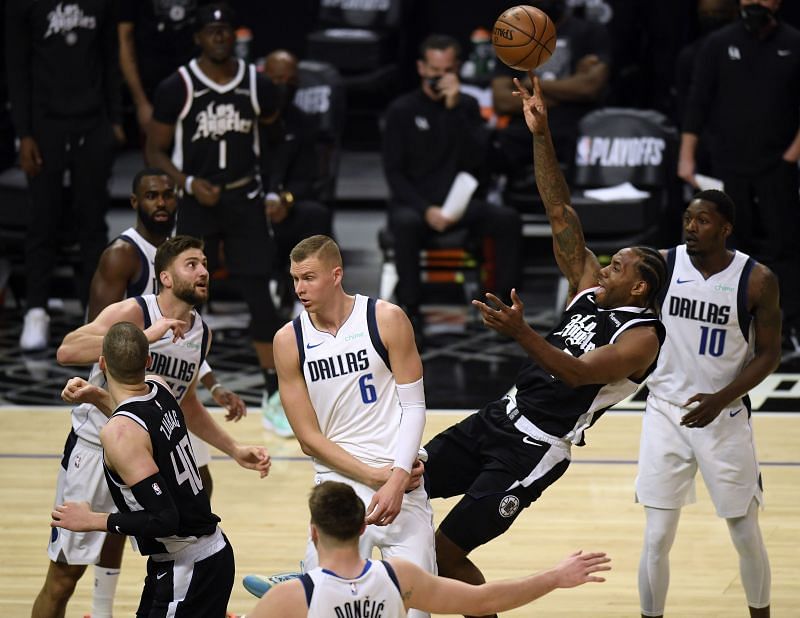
{"points": [[755, 17], [555, 9]]}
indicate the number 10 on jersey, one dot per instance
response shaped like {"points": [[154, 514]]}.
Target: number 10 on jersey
{"points": [[712, 341]]}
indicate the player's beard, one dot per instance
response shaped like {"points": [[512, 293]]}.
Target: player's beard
{"points": [[158, 228], [186, 292]]}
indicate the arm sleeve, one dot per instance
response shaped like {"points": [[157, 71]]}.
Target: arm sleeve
{"points": [[159, 516], [401, 188], [412, 423], [169, 99], [18, 65]]}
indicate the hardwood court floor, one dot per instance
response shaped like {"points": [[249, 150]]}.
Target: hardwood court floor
{"points": [[590, 508]]}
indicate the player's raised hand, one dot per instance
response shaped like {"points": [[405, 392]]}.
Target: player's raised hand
{"points": [[253, 458], [160, 327], [533, 105], [509, 321], [577, 569]]}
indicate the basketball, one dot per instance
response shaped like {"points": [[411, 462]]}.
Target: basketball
{"points": [[524, 37]]}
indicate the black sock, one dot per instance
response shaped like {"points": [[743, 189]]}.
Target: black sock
{"points": [[270, 380]]}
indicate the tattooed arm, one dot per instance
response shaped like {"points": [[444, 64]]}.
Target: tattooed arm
{"points": [[579, 265]]}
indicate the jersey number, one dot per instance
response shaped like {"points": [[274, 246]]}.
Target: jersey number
{"points": [[188, 469], [368, 392], [712, 340]]}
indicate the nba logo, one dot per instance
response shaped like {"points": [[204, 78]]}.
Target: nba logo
{"points": [[582, 151], [156, 489]]}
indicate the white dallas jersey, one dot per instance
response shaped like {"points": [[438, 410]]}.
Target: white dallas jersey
{"points": [[373, 594], [351, 385], [709, 331], [177, 363], [146, 282]]}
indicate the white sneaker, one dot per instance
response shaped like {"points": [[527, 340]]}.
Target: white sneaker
{"points": [[35, 331]]}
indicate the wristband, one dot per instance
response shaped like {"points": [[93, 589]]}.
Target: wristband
{"points": [[187, 185], [215, 387]]}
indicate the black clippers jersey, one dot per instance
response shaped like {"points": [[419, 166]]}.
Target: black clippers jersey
{"points": [[216, 135], [159, 413], [561, 410]]}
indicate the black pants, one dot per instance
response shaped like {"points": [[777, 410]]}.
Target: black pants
{"points": [[88, 156], [306, 218], [767, 220], [239, 225], [411, 234]]}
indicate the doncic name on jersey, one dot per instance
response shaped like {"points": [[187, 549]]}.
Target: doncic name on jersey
{"points": [[336, 366]]}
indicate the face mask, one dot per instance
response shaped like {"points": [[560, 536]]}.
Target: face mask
{"points": [[755, 17], [555, 9]]}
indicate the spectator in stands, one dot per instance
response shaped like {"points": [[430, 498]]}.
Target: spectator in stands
{"points": [[711, 16], [746, 89], [155, 38], [292, 174], [63, 81], [573, 81], [212, 109], [432, 134]]}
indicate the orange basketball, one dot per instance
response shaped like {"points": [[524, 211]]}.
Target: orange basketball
{"points": [[524, 37]]}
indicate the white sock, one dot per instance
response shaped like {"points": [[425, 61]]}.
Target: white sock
{"points": [[105, 585]]}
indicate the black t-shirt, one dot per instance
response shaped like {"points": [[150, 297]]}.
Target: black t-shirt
{"points": [[577, 38], [163, 35], [425, 145], [63, 62], [747, 90]]}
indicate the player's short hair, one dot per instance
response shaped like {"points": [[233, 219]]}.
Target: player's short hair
{"points": [[725, 205], [653, 269], [336, 510], [146, 173], [125, 349], [440, 42], [171, 249], [319, 245]]}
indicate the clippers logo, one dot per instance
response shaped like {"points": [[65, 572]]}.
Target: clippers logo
{"points": [[314, 100], [67, 18], [217, 120], [619, 151], [579, 331], [156, 489], [509, 506]]}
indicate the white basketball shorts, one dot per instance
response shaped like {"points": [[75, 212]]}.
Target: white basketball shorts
{"points": [[202, 455], [82, 481], [670, 455]]}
